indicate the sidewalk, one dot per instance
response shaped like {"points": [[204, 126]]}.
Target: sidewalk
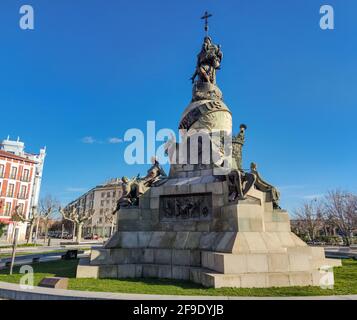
{"points": [[341, 252], [54, 246], [27, 259], [15, 292]]}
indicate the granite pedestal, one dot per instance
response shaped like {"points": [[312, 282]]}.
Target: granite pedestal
{"points": [[217, 244]]}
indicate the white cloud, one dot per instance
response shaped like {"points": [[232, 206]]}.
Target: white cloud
{"points": [[88, 140], [92, 140], [115, 140], [313, 196], [291, 187]]}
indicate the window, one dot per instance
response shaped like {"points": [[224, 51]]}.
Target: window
{"points": [[26, 175], [7, 208], [20, 208], [114, 193], [10, 191], [108, 201], [100, 220], [13, 173], [23, 192], [108, 194], [2, 170], [102, 203], [103, 194], [101, 211]]}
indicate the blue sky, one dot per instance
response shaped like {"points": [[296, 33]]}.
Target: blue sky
{"points": [[96, 68]]}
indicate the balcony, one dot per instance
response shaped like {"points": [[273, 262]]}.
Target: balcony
{"points": [[25, 179], [10, 194], [12, 176]]}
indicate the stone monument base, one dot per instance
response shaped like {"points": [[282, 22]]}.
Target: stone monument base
{"points": [[206, 239]]}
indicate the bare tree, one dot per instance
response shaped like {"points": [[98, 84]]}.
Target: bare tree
{"points": [[48, 206], [310, 217], [341, 208], [78, 219], [33, 220], [18, 216], [110, 217]]}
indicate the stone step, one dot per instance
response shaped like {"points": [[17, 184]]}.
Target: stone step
{"points": [[86, 270], [304, 259], [266, 279], [161, 271], [327, 262], [204, 276]]}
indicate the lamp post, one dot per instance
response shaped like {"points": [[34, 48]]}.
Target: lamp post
{"points": [[37, 227], [62, 231], [14, 245]]}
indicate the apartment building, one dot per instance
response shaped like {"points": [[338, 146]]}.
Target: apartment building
{"points": [[101, 201], [20, 184]]}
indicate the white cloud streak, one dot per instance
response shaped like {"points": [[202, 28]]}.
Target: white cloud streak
{"points": [[92, 140], [313, 196], [115, 140], [88, 140]]}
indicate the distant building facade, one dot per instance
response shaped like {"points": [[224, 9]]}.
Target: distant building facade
{"points": [[20, 184], [102, 200]]}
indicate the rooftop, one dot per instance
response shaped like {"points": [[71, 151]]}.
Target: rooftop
{"points": [[15, 157]]}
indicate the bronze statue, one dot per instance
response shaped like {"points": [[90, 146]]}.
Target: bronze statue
{"points": [[133, 189], [208, 61], [153, 174], [127, 195], [264, 186], [238, 143], [239, 181]]}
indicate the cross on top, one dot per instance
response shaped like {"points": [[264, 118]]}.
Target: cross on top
{"points": [[205, 17]]}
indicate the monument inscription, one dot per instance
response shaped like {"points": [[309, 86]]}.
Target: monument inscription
{"points": [[186, 207]]}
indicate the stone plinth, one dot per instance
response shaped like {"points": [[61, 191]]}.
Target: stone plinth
{"points": [[208, 240]]}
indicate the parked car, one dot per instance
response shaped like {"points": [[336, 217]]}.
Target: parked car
{"points": [[91, 237]]}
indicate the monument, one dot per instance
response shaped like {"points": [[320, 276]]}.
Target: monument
{"points": [[208, 221]]}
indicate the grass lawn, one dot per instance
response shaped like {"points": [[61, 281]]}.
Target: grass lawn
{"points": [[25, 253], [345, 283], [20, 254], [24, 245]]}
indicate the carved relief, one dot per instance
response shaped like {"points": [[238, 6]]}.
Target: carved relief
{"points": [[186, 207]]}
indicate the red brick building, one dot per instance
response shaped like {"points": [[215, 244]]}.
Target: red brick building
{"points": [[19, 186]]}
